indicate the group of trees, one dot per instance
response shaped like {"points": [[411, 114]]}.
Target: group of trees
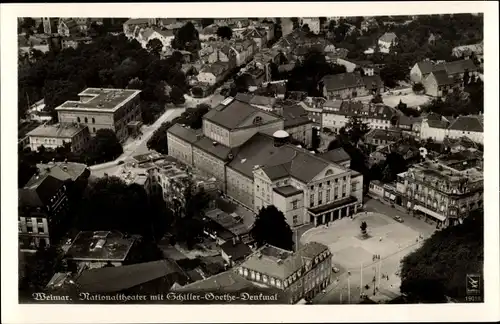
{"points": [[306, 75], [191, 117], [413, 38], [270, 227], [438, 269], [108, 62]]}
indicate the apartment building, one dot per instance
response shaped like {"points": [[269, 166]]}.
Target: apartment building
{"points": [[43, 203], [445, 190], [336, 114], [301, 275], [58, 135], [116, 109]]}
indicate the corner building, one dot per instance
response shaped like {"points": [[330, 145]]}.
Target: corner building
{"points": [[116, 109]]}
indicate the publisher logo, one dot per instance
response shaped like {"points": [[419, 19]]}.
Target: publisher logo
{"points": [[473, 284]]}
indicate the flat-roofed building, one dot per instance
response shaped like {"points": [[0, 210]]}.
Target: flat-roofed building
{"points": [[116, 109], [54, 136]]}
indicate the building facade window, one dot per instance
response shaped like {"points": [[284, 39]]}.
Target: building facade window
{"points": [[86, 120], [93, 120], [295, 219]]}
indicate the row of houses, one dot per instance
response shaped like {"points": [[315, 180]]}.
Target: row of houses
{"points": [[440, 79]]}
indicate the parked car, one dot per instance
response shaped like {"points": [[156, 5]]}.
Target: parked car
{"points": [[121, 162], [335, 269], [398, 219]]}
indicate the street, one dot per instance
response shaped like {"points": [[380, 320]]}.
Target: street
{"points": [[416, 224]]}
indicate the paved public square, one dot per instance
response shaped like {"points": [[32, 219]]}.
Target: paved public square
{"points": [[350, 250], [353, 254]]}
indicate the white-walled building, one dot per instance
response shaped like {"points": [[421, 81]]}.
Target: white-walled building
{"points": [[386, 41]]}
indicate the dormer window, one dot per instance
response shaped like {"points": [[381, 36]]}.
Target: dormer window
{"points": [[257, 120]]}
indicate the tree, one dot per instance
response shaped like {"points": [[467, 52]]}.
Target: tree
{"points": [[377, 99], [418, 87], [316, 139], [105, 146], [438, 268], [109, 203], [28, 23], [270, 227], [187, 38], [154, 46], [39, 269], [363, 228], [355, 130], [466, 77], [392, 73], [225, 32], [206, 22], [135, 84]]}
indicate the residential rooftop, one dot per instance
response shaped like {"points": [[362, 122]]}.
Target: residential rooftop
{"points": [[100, 99], [60, 170], [280, 263], [64, 131], [99, 246], [115, 279]]}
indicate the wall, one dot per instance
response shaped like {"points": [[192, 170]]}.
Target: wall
{"points": [[292, 207], [431, 87], [415, 74], [345, 93], [376, 190], [216, 132], [357, 188], [240, 136], [475, 136], [348, 65], [180, 149], [437, 134], [240, 188], [209, 164], [302, 133], [334, 121]]}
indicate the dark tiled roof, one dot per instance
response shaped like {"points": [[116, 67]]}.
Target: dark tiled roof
{"points": [[236, 250], [40, 193], [468, 124], [254, 152], [342, 81], [338, 155], [218, 150], [437, 123], [287, 191], [295, 162], [232, 115], [460, 66], [442, 78], [295, 116], [115, 279], [187, 134], [59, 170], [373, 81]]}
